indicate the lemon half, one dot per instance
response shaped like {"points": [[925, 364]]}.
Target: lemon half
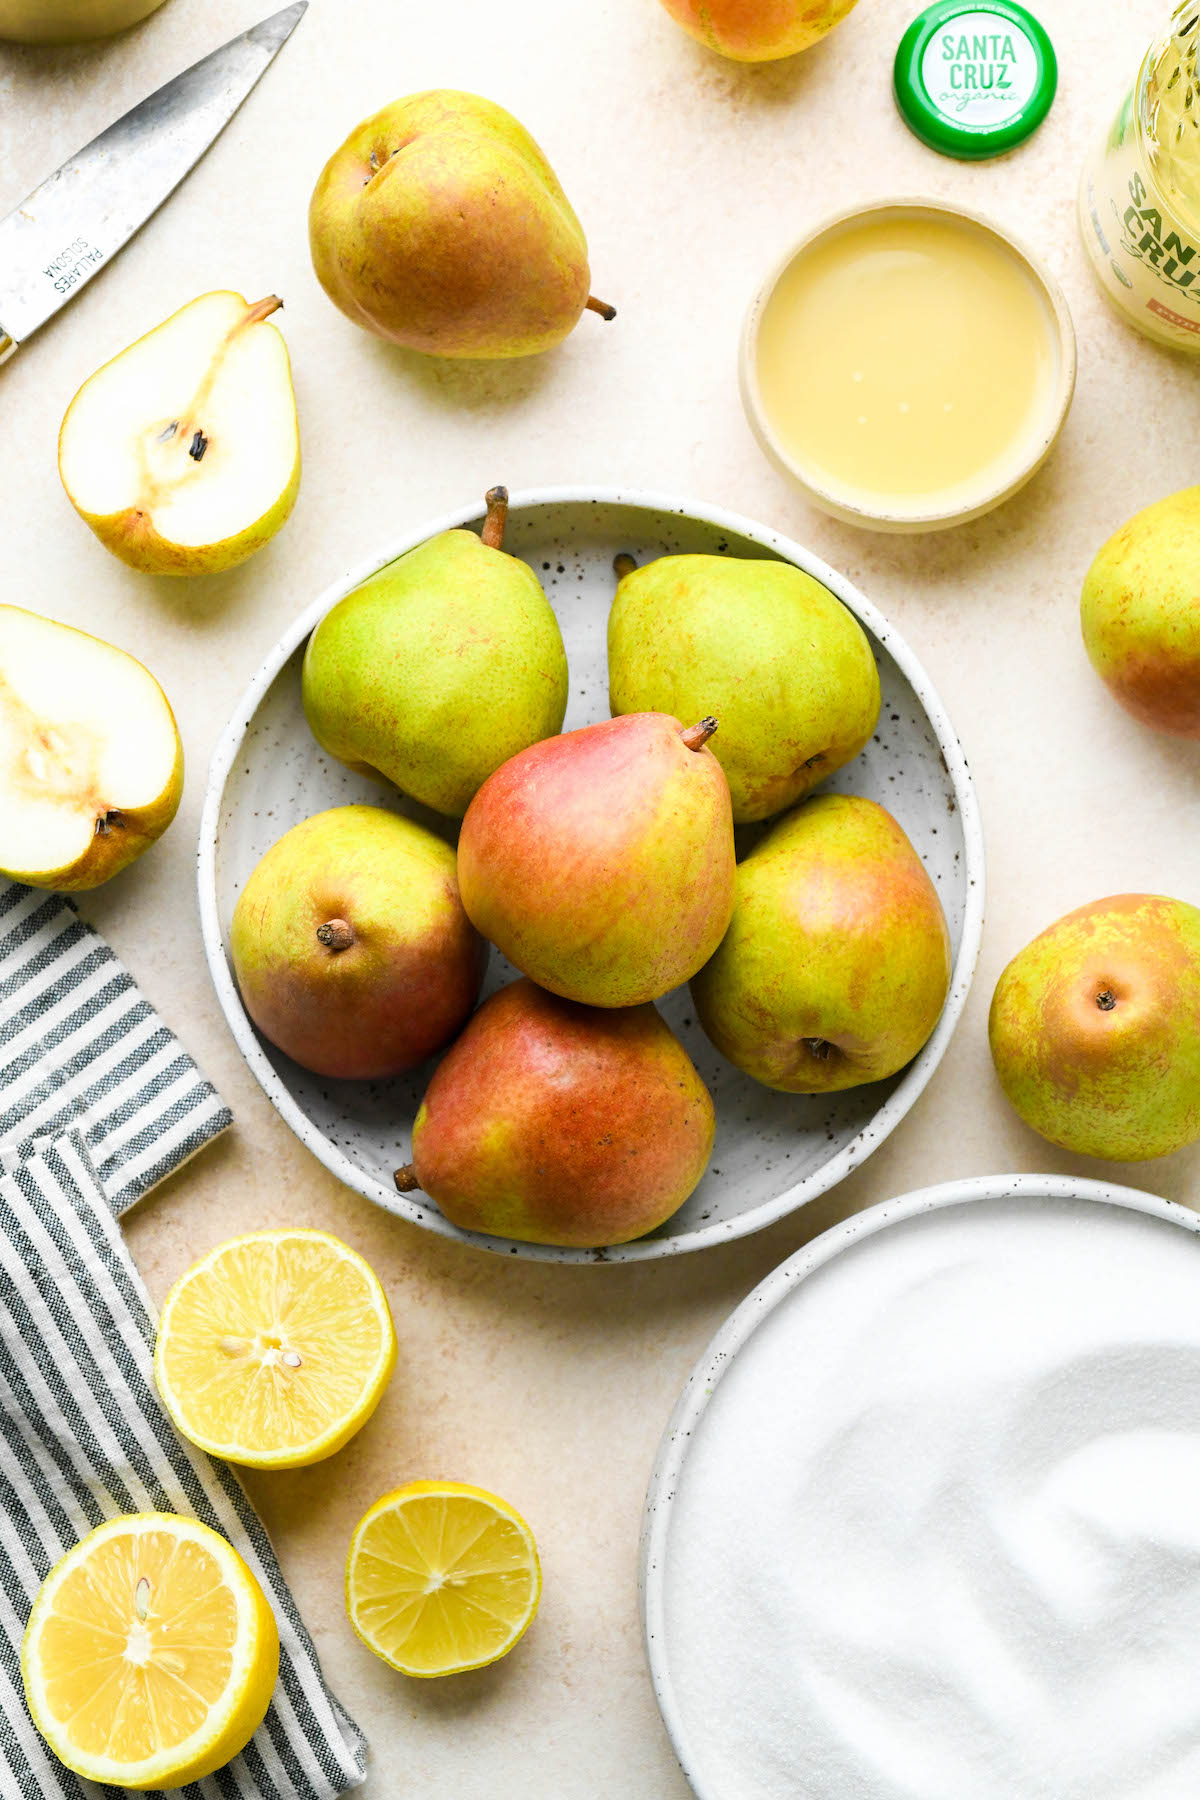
{"points": [[150, 1655], [441, 1577], [275, 1348]]}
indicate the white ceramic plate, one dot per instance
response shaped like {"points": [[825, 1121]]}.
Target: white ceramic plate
{"points": [[694, 1440], [773, 1151]]}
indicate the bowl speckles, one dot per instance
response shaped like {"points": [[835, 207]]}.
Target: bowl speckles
{"points": [[774, 1151]]}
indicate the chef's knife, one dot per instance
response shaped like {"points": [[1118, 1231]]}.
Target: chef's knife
{"points": [[82, 215]]}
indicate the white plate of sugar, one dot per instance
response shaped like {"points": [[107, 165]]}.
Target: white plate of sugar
{"points": [[926, 1522]]}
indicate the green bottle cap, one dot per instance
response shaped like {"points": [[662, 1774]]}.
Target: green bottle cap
{"points": [[975, 77]]}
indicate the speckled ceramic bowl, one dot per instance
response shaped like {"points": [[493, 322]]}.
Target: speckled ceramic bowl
{"points": [[773, 1151], [665, 1648]]}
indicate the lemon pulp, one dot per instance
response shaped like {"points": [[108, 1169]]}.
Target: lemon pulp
{"points": [[441, 1577], [150, 1654], [275, 1348]]}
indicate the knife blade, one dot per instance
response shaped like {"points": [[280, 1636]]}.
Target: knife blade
{"points": [[81, 216]]}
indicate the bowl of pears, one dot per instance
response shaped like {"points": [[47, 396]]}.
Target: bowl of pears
{"points": [[591, 876]]}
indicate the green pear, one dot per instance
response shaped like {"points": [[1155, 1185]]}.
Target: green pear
{"points": [[439, 668], [183, 452], [1095, 1029], [836, 964], [783, 664], [350, 945], [561, 1124], [601, 862], [439, 224], [91, 766], [1141, 614]]}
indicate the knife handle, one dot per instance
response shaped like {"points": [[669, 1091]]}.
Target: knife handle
{"points": [[8, 346]]}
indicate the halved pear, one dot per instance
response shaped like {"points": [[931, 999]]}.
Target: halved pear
{"points": [[183, 453], [91, 766]]}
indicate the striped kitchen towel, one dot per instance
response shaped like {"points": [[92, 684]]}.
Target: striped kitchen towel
{"points": [[98, 1101], [80, 1047]]}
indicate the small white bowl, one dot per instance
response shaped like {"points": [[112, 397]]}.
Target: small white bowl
{"points": [[779, 1288], [773, 1151], [989, 495]]}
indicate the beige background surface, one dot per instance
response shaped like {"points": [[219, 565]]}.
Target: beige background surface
{"points": [[552, 1384]]}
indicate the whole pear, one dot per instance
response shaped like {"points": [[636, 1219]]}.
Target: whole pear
{"points": [[1095, 1028], [782, 663], [601, 862], [561, 1124], [439, 668], [439, 224], [758, 30], [350, 945], [1141, 614], [836, 964]]}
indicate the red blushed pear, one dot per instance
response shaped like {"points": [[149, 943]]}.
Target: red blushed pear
{"points": [[351, 947], [758, 30], [601, 862], [1140, 615], [836, 964], [439, 224], [1095, 1029], [561, 1124]]}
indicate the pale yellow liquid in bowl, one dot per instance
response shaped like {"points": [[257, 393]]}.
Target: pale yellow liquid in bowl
{"points": [[908, 364]]}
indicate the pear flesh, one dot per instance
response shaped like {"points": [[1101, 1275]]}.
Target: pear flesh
{"points": [[782, 663], [560, 1124], [1095, 1029], [91, 766], [351, 947], [836, 964], [440, 668], [183, 453], [440, 225], [1140, 614], [601, 862]]}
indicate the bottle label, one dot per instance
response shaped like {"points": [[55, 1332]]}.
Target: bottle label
{"points": [[980, 70], [1145, 257]]}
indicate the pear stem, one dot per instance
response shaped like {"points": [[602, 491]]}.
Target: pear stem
{"points": [[602, 307], [696, 736], [335, 934], [406, 1180], [262, 309], [497, 516], [623, 564]]}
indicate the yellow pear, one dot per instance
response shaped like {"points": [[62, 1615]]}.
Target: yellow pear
{"points": [[439, 224], [91, 766], [183, 452]]}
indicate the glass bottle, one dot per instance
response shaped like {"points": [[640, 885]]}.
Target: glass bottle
{"points": [[1139, 201]]}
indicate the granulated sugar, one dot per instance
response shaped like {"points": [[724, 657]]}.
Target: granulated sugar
{"points": [[937, 1536]]}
